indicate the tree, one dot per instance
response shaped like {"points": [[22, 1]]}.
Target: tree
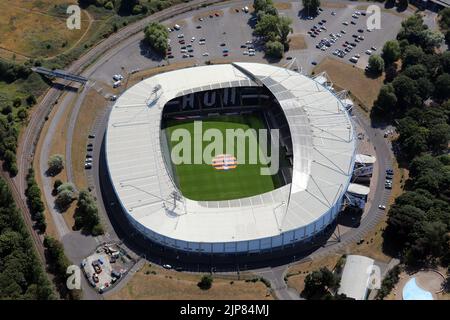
{"points": [[64, 199], [274, 49], [412, 55], [386, 101], [55, 164], [267, 27], [439, 137], [405, 90], [319, 283], [391, 52], [56, 185], [205, 282], [311, 6], [157, 35], [264, 7], [22, 113], [376, 64], [442, 86], [284, 28], [65, 195], [86, 214]]}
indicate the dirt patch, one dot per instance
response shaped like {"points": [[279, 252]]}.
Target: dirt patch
{"points": [[92, 106], [283, 5], [297, 42], [297, 273], [153, 283], [345, 76], [141, 75], [332, 5]]}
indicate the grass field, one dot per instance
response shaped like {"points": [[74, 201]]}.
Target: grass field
{"points": [[155, 283], [204, 182], [38, 28]]}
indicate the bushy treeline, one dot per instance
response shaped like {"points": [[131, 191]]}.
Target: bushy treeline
{"points": [[272, 28], [130, 7], [156, 35], [10, 72], [86, 214], [59, 264], [21, 273], [416, 99], [35, 203]]}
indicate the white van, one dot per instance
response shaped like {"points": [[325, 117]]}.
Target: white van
{"points": [[246, 9], [117, 84], [176, 27]]}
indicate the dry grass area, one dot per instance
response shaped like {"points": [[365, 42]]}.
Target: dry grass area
{"points": [[37, 28], [353, 79], [297, 273], [58, 146], [283, 5], [137, 77], [93, 104], [154, 283], [336, 5], [297, 42]]}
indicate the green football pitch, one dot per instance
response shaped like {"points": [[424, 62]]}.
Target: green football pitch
{"points": [[203, 182]]}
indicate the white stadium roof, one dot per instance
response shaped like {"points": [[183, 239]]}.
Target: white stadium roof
{"points": [[323, 152]]}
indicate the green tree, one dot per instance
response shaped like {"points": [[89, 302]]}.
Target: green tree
{"points": [[274, 49], [376, 64], [442, 86], [439, 137], [55, 164], [284, 29], [267, 27], [319, 283], [386, 102], [86, 214], [205, 282], [391, 52], [412, 55], [311, 7], [157, 35]]}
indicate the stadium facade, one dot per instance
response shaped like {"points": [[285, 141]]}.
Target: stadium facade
{"points": [[320, 139]]}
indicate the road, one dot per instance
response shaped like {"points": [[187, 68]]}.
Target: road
{"points": [[99, 63]]}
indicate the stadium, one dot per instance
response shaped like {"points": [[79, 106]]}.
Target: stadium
{"points": [[227, 206]]}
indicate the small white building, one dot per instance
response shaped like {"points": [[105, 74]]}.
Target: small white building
{"points": [[356, 277]]}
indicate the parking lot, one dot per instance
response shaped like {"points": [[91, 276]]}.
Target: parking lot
{"points": [[106, 266], [220, 33]]}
